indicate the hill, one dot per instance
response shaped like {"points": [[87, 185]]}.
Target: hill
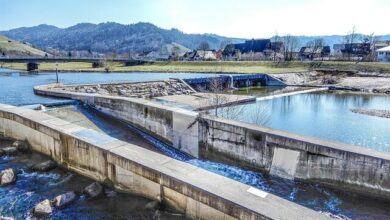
{"points": [[11, 48], [119, 38], [111, 37]]}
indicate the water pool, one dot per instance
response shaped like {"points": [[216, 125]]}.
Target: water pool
{"points": [[325, 115]]}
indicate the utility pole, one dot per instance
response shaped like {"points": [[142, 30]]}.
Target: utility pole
{"points": [[57, 72]]}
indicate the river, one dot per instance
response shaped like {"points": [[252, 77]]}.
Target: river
{"points": [[18, 91]]}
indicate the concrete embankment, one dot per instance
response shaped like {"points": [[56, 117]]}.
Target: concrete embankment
{"points": [[196, 192], [276, 152]]}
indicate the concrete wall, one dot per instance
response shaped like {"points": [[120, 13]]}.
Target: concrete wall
{"points": [[276, 152], [196, 192], [294, 156], [174, 126]]}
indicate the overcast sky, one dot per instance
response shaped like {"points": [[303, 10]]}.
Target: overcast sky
{"points": [[233, 18]]}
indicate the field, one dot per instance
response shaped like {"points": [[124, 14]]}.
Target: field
{"points": [[210, 67], [15, 48]]}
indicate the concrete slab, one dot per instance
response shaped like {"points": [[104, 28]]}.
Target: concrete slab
{"points": [[200, 101], [93, 137]]}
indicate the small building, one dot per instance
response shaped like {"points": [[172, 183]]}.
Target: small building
{"points": [[200, 55], [218, 54], [311, 53], [263, 49], [255, 46], [32, 66], [381, 44], [383, 54], [353, 50]]}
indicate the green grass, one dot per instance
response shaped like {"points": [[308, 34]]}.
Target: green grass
{"points": [[11, 47], [212, 67]]}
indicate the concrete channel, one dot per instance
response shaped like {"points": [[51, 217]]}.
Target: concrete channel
{"points": [[272, 151], [198, 193]]}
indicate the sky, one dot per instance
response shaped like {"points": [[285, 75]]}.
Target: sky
{"points": [[232, 18]]}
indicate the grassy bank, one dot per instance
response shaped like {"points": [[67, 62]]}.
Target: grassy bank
{"points": [[212, 67]]}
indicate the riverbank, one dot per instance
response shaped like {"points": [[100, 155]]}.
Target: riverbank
{"points": [[211, 67], [353, 81]]}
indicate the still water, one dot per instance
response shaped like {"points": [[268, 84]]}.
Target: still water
{"points": [[325, 115], [16, 88]]}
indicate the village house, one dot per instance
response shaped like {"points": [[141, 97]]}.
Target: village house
{"points": [[312, 53], [354, 51], [383, 54], [381, 44], [197, 55], [259, 49]]}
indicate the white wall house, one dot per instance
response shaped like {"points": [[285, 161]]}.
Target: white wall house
{"points": [[383, 54]]}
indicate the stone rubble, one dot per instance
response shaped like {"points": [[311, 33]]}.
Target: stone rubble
{"points": [[43, 208], [6, 218], [64, 199], [370, 83], [44, 166], [9, 151], [7, 176], [21, 145], [135, 90], [372, 112], [93, 190]]}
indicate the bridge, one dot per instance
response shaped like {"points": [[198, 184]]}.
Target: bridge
{"points": [[33, 62]]}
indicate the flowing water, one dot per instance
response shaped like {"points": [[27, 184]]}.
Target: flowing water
{"points": [[31, 190], [17, 200]]}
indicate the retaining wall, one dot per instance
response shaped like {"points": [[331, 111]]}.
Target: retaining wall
{"points": [[196, 192], [294, 156]]}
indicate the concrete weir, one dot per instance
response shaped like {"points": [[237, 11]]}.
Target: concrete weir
{"points": [[197, 193], [273, 151]]}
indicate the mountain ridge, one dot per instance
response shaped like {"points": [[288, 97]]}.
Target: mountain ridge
{"points": [[112, 37]]}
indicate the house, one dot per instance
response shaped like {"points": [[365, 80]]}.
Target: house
{"points": [[248, 46], [218, 54], [261, 48], [199, 55], [353, 50], [381, 44], [383, 54], [311, 53]]}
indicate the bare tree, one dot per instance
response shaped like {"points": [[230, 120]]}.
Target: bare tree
{"points": [[275, 39], [260, 115], [314, 47], [218, 100], [371, 41], [204, 46], [349, 40], [175, 52], [291, 44]]}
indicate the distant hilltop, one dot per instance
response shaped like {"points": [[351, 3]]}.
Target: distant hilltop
{"points": [[111, 37], [134, 38], [12, 48]]}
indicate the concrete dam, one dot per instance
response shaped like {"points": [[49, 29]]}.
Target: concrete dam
{"points": [[196, 192]]}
